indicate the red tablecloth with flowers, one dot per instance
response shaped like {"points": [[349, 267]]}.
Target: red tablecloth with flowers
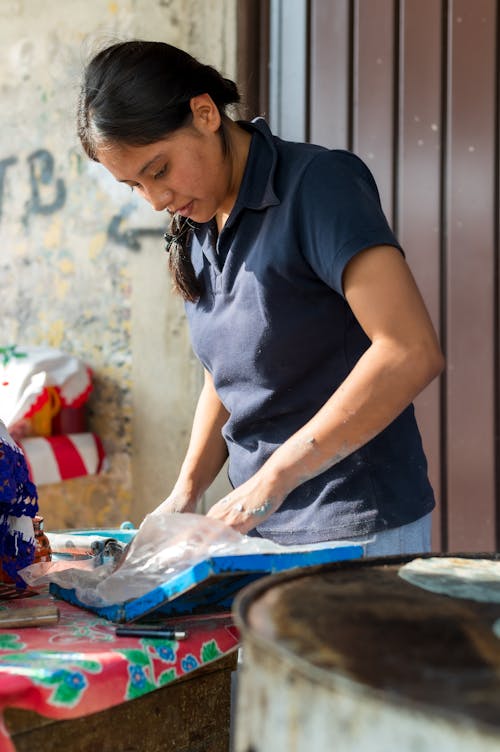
{"points": [[78, 666]]}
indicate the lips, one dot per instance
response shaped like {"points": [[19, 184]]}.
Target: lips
{"points": [[184, 211]]}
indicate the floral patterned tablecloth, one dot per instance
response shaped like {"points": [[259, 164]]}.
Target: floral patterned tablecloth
{"points": [[78, 666]]}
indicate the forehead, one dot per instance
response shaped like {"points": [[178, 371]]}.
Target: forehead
{"points": [[128, 161]]}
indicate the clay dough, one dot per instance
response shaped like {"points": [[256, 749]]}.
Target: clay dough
{"points": [[476, 579]]}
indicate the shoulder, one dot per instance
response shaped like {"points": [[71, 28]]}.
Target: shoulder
{"points": [[335, 180], [297, 163], [305, 152], [339, 169], [308, 170]]}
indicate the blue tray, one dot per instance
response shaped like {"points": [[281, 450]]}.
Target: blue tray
{"points": [[210, 585], [124, 533]]}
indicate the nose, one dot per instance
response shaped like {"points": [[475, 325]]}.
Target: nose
{"points": [[160, 199]]}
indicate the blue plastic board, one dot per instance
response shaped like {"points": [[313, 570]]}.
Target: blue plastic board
{"points": [[123, 534], [211, 584]]}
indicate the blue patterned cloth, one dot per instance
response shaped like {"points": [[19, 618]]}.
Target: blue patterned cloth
{"points": [[18, 506]]}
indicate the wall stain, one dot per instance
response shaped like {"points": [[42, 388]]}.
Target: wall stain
{"points": [[52, 238]]}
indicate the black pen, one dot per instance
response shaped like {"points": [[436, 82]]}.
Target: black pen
{"points": [[165, 634]]}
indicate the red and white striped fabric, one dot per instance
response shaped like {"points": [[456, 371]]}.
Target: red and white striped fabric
{"points": [[53, 459]]}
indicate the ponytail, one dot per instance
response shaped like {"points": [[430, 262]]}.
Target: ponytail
{"points": [[180, 266]]}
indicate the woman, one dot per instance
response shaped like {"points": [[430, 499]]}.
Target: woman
{"points": [[18, 506], [302, 310]]}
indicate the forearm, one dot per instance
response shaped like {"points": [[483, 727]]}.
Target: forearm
{"points": [[207, 449]]}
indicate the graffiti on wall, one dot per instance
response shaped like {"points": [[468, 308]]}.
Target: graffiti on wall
{"points": [[47, 195]]}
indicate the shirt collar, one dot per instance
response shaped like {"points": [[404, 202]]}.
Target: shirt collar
{"points": [[257, 186]]}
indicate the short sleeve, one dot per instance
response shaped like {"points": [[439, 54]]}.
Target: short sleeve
{"points": [[339, 214]]}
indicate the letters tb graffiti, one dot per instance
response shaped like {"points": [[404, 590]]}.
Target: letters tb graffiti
{"points": [[48, 195], [41, 167]]}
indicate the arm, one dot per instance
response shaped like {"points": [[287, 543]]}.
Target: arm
{"points": [[404, 356], [205, 455]]}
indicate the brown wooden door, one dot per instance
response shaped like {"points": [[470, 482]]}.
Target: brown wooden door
{"points": [[412, 87]]}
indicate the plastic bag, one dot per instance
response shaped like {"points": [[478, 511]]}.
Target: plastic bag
{"points": [[165, 545]]}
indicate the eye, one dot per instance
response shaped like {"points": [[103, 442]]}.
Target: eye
{"points": [[135, 187], [160, 173]]}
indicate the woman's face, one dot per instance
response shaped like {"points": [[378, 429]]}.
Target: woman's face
{"points": [[186, 172]]}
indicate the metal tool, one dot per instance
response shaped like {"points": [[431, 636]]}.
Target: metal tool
{"points": [[140, 630]]}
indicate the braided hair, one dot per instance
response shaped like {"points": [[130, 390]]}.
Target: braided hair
{"points": [[138, 92]]}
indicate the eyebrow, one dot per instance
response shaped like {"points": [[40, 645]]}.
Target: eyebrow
{"points": [[142, 170]]}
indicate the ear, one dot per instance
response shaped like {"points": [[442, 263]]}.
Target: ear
{"points": [[206, 115]]}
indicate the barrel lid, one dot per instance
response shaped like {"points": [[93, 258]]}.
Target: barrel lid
{"points": [[361, 621]]}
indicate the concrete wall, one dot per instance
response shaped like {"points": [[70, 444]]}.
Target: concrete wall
{"points": [[82, 266]]}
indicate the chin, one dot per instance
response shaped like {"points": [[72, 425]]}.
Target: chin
{"points": [[202, 217]]}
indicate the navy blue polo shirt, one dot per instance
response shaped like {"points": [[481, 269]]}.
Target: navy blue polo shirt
{"points": [[273, 328]]}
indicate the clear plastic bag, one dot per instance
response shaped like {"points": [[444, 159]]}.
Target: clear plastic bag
{"points": [[165, 545]]}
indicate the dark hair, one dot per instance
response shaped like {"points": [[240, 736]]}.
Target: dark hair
{"points": [[138, 92]]}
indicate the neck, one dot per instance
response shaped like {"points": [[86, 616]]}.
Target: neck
{"points": [[238, 148]]}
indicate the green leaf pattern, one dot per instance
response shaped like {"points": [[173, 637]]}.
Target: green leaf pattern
{"points": [[9, 352], [210, 651], [166, 677], [143, 671], [10, 642], [62, 672]]}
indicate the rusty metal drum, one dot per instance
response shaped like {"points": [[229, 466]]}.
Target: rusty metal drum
{"points": [[349, 657]]}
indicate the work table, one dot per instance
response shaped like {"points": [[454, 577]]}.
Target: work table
{"points": [[127, 688]]}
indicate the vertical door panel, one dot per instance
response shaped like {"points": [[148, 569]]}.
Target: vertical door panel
{"points": [[419, 194], [373, 92], [470, 275]]}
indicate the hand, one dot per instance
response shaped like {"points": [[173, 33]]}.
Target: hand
{"points": [[248, 505], [177, 502]]}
